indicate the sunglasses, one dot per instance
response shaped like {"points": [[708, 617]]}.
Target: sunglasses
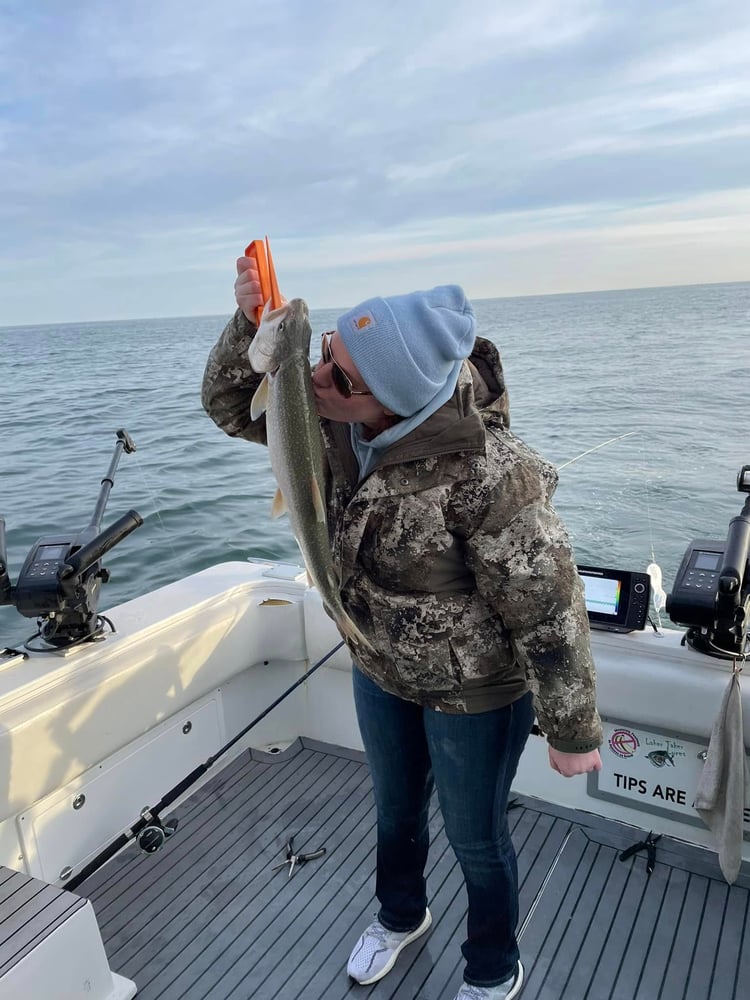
{"points": [[341, 380]]}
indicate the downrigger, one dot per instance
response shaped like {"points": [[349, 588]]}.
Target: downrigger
{"points": [[60, 581], [711, 594]]}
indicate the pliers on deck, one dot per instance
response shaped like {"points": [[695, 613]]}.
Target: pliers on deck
{"points": [[648, 845], [295, 860]]}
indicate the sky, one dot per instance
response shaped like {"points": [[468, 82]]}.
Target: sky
{"points": [[516, 148]]}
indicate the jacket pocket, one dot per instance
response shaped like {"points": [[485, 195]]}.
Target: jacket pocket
{"points": [[482, 651]]}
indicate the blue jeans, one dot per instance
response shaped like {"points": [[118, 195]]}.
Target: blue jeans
{"points": [[472, 759]]}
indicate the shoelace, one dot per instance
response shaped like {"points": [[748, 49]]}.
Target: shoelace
{"points": [[378, 931]]}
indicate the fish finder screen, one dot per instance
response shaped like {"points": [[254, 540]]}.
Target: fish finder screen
{"points": [[602, 594], [51, 551], [707, 560]]}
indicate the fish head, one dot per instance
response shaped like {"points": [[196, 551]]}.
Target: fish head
{"points": [[282, 332]]}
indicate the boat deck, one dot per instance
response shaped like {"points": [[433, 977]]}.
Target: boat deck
{"points": [[207, 917]]}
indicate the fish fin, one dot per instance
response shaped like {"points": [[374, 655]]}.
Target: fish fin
{"points": [[320, 507], [259, 401], [278, 507], [350, 630]]}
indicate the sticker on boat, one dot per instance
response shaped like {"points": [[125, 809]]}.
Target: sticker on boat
{"points": [[651, 770]]}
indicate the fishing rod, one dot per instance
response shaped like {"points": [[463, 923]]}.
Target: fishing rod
{"points": [[148, 830]]}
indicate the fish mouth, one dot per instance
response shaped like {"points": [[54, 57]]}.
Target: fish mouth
{"points": [[299, 306]]}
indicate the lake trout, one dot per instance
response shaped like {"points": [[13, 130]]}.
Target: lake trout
{"points": [[281, 350]]}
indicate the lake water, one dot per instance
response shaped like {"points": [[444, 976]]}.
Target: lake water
{"points": [[671, 365]]}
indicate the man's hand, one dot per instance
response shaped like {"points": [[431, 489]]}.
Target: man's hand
{"points": [[247, 287], [568, 764]]}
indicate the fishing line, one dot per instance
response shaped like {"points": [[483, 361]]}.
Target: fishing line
{"points": [[658, 595], [179, 557], [648, 504]]}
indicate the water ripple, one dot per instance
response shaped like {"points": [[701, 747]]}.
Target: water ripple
{"points": [[667, 363]]}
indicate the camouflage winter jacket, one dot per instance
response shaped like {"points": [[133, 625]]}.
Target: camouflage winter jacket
{"points": [[450, 557]]}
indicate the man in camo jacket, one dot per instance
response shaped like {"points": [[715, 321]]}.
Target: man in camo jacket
{"points": [[454, 564]]}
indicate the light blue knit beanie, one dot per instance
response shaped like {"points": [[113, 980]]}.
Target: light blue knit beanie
{"points": [[406, 347]]}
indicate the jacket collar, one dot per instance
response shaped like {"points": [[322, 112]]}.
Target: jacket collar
{"points": [[457, 426]]}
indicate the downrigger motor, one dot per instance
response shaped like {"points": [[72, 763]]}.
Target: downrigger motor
{"points": [[60, 581]]}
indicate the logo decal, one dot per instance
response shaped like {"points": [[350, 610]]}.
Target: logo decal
{"points": [[363, 321], [660, 757], [623, 743]]}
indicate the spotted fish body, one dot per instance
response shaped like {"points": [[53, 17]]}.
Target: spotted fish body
{"points": [[281, 350]]}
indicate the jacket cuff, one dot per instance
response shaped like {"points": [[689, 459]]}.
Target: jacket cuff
{"points": [[573, 746]]}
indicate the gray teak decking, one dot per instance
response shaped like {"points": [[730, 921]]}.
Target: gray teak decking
{"points": [[30, 911], [208, 919]]}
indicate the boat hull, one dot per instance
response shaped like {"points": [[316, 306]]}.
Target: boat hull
{"points": [[92, 736]]}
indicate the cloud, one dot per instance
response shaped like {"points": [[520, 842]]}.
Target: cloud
{"points": [[477, 33], [154, 139]]}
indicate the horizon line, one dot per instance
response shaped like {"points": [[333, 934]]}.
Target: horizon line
{"points": [[490, 298]]}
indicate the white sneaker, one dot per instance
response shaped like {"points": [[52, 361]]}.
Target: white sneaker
{"points": [[505, 991], [377, 950]]}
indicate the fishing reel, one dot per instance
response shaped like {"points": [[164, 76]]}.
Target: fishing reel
{"points": [[62, 576], [711, 595], [152, 837]]}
